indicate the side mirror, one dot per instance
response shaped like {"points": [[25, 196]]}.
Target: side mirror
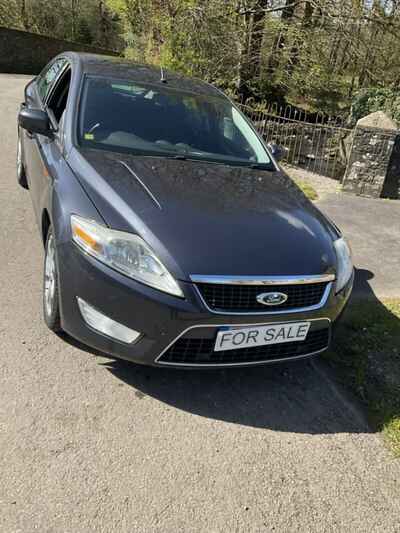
{"points": [[35, 121], [278, 152]]}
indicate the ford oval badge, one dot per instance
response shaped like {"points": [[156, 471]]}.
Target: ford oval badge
{"points": [[272, 298]]}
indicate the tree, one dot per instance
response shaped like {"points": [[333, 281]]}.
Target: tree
{"points": [[313, 53]]}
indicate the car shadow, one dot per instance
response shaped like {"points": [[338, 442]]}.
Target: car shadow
{"points": [[366, 352], [362, 289], [302, 397], [296, 398]]}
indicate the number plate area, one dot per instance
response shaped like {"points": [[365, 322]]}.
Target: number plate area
{"points": [[236, 338]]}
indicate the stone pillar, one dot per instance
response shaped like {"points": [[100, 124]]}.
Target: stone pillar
{"points": [[373, 158], [391, 188]]}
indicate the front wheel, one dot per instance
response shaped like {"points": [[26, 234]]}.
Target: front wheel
{"points": [[51, 309], [21, 175]]}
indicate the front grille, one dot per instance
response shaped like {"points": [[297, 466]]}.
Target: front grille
{"points": [[243, 298], [201, 351]]}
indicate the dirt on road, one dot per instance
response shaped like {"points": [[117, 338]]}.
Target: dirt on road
{"points": [[88, 443]]}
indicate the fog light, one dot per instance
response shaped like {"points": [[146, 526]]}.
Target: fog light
{"points": [[106, 325]]}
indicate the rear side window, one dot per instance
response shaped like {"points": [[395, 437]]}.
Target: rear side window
{"points": [[47, 78]]}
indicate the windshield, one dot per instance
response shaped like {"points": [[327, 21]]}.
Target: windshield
{"points": [[122, 116]]}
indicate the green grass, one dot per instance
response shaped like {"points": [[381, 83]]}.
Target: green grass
{"points": [[366, 355], [391, 430], [307, 189]]}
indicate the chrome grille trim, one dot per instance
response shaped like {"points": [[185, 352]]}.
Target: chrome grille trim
{"points": [[262, 280], [276, 310], [158, 360]]}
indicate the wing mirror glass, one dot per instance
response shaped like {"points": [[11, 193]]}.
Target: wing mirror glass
{"points": [[278, 152], [35, 121]]}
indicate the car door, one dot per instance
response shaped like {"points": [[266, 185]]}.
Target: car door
{"points": [[34, 145], [52, 151]]}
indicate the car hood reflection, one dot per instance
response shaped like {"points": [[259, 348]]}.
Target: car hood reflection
{"points": [[210, 218]]}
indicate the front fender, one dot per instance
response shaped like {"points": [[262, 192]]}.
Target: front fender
{"points": [[66, 197]]}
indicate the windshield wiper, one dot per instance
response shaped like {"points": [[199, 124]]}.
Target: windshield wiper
{"points": [[257, 166], [189, 157]]}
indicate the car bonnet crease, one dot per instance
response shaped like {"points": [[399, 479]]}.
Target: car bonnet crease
{"points": [[212, 219]]}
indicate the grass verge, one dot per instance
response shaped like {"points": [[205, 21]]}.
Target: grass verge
{"points": [[366, 356], [307, 189]]}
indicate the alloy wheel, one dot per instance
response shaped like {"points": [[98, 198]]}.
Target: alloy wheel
{"points": [[19, 157], [50, 276]]}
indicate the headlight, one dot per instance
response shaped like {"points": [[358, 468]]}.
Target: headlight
{"points": [[344, 263], [125, 252]]}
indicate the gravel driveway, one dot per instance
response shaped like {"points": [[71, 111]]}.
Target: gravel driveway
{"points": [[92, 444]]}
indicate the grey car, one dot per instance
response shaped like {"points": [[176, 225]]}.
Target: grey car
{"points": [[171, 234]]}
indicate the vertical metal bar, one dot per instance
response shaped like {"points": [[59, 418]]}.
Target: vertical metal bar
{"points": [[317, 138], [337, 139]]}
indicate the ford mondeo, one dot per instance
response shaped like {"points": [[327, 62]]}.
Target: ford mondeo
{"points": [[171, 234]]}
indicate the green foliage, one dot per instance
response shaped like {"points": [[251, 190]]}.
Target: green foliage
{"points": [[316, 86], [89, 22], [10, 14], [312, 53], [374, 99], [83, 32], [193, 37]]}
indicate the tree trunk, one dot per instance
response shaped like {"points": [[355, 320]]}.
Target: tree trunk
{"points": [[306, 24], [251, 49], [279, 44], [308, 15], [73, 19], [24, 15], [103, 24]]}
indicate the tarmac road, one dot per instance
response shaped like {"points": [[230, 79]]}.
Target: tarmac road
{"points": [[92, 444]]}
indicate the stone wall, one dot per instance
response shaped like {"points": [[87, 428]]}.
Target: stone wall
{"points": [[391, 188], [22, 52], [374, 164]]}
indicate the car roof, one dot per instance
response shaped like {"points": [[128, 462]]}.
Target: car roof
{"points": [[119, 67]]}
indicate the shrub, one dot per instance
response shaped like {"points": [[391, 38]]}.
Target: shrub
{"points": [[374, 99]]}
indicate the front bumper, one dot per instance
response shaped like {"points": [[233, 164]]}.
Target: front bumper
{"points": [[160, 318]]}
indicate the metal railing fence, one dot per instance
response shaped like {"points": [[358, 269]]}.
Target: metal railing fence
{"points": [[317, 143]]}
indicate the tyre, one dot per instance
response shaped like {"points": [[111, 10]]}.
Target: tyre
{"points": [[51, 308], [21, 175]]}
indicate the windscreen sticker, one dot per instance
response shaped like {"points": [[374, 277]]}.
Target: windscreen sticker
{"points": [[89, 136]]}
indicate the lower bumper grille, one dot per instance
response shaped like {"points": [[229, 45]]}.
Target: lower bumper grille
{"points": [[192, 351]]}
